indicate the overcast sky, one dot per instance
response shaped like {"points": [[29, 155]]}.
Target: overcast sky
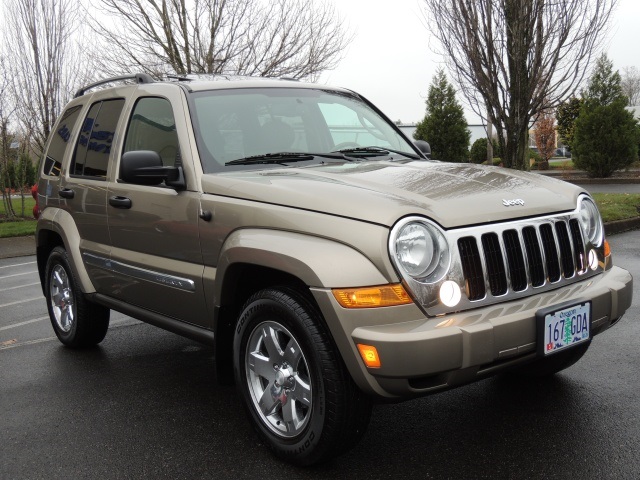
{"points": [[391, 63]]}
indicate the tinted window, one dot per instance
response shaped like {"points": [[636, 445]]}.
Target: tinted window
{"points": [[96, 137], [153, 127], [239, 123], [59, 141]]}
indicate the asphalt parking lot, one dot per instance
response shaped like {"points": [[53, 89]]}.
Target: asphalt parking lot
{"points": [[144, 404]]}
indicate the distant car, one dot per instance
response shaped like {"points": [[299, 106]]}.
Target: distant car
{"points": [[563, 152], [329, 262]]}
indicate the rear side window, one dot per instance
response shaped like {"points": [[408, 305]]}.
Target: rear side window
{"points": [[153, 127], [91, 157], [59, 140]]}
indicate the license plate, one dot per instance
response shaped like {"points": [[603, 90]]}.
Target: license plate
{"points": [[564, 328]]}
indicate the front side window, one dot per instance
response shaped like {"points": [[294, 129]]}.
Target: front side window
{"points": [[93, 148], [153, 127], [239, 123]]}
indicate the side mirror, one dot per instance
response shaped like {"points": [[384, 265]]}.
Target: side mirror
{"points": [[424, 147], [144, 167]]}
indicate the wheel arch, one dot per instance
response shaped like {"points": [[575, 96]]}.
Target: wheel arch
{"points": [[255, 259], [57, 228]]}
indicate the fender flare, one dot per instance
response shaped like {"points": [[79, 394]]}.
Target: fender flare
{"points": [[318, 262], [61, 222]]}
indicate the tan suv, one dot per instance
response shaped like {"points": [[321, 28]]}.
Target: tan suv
{"points": [[296, 229]]}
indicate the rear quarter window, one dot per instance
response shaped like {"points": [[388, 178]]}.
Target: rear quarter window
{"points": [[52, 164]]}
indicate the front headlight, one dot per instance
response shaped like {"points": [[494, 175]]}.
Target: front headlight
{"points": [[591, 221], [420, 249]]}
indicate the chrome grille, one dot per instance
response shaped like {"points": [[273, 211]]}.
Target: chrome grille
{"points": [[517, 259]]}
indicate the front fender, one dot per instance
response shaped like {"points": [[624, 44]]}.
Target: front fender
{"points": [[316, 261]]}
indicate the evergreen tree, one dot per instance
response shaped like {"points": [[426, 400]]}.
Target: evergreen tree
{"points": [[444, 125], [566, 115], [606, 134]]}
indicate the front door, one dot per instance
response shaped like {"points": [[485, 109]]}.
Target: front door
{"points": [[155, 258]]}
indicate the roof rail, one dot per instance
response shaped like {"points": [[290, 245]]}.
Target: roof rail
{"points": [[138, 77]]}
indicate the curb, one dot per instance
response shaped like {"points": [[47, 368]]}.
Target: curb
{"points": [[12, 247], [619, 226]]}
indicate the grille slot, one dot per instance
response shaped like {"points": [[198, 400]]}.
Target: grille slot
{"points": [[472, 268], [578, 245], [550, 252], [534, 256], [517, 258], [495, 264], [566, 255]]}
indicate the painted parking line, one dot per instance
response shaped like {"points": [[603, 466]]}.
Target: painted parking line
{"points": [[19, 274], [17, 302], [13, 343], [28, 342], [21, 286], [17, 265], [26, 322]]}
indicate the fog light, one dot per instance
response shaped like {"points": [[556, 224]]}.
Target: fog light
{"points": [[593, 260], [450, 293], [369, 355]]}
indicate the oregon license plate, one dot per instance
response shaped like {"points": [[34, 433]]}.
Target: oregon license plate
{"points": [[565, 327]]}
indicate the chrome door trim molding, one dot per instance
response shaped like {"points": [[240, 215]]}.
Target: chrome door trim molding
{"points": [[139, 273]]}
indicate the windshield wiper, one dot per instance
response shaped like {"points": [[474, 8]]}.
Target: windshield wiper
{"points": [[286, 157], [374, 152]]}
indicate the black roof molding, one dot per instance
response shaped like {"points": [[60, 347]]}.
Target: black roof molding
{"points": [[138, 77]]}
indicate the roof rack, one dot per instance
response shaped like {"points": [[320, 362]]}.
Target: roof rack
{"points": [[138, 77], [180, 78]]}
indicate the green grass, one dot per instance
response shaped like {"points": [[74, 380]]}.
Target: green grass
{"points": [[17, 228], [618, 206], [29, 202], [22, 226]]}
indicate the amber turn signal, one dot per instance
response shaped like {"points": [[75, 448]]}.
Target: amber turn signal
{"points": [[371, 297], [369, 355], [607, 248]]}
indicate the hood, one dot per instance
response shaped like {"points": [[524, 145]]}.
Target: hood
{"points": [[381, 192]]}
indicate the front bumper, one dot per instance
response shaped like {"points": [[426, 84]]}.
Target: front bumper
{"points": [[422, 355]]}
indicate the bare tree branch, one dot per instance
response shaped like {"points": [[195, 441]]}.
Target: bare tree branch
{"points": [[293, 38], [44, 62], [631, 85], [511, 57]]}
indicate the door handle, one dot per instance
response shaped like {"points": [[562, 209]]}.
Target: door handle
{"points": [[120, 202], [66, 193]]}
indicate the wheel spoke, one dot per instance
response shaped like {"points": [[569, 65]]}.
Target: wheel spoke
{"points": [[301, 393], [57, 298], [59, 282], [289, 416], [261, 366], [292, 353], [64, 319], [267, 403], [270, 340]]}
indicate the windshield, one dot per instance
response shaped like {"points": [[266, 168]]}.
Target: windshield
{"points": [[234, 124]]}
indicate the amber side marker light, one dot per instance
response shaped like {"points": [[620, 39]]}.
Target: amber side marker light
{"points": [[369, 355], [607, 248], [371, 297]]}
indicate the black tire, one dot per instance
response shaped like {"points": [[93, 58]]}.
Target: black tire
{"points": [[546, 367], [327, 414], [77, 321]]}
